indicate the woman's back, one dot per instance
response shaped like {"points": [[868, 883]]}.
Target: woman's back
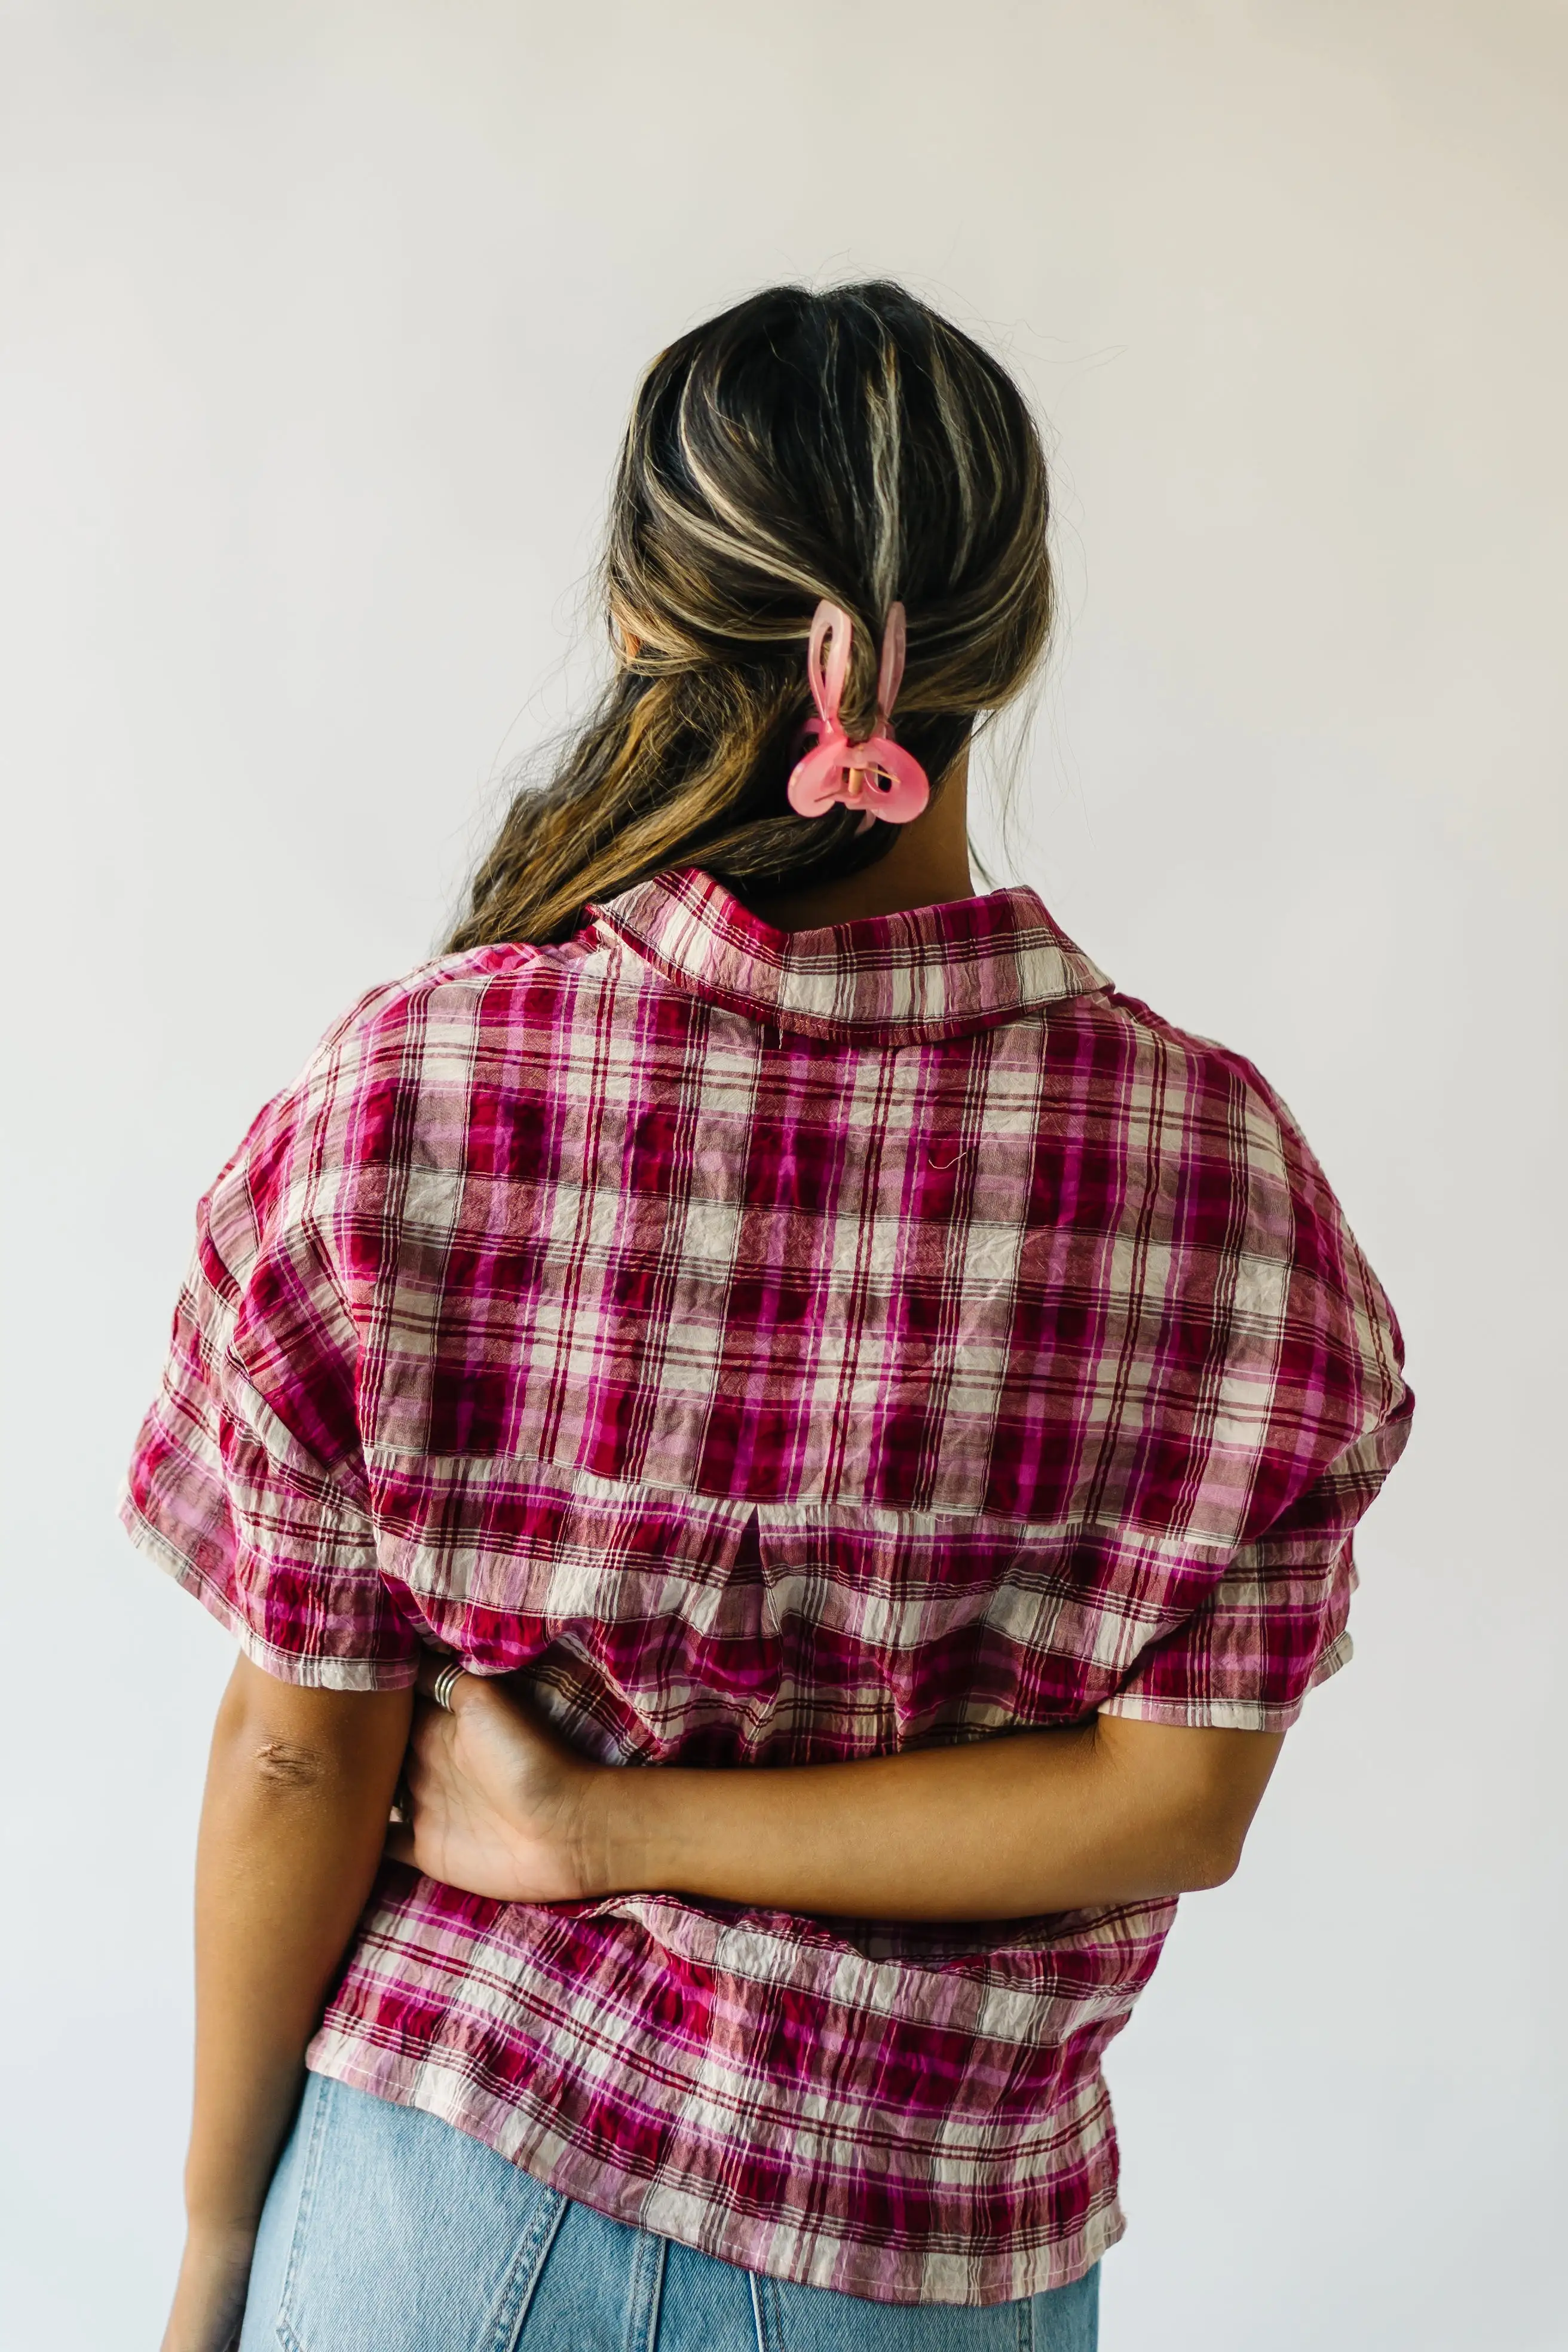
{"points": [[779, 1349]]}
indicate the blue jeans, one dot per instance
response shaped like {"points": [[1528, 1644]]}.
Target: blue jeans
{"points": [[387, 2231]]}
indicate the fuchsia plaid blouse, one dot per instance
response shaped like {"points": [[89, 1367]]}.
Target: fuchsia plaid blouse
{"points": [[781, 1348]]}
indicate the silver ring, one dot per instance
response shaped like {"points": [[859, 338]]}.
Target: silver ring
{"points": [[445, 1683]]}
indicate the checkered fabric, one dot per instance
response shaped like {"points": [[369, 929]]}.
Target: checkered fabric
{"points": [[777, 1349]]}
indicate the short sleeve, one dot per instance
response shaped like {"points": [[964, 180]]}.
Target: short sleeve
{"points": [[1274, 1624], [248, 1484]]}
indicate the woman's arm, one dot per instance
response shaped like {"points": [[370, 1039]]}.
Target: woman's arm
{"points": [[298, 1785], [1113, 1810]]}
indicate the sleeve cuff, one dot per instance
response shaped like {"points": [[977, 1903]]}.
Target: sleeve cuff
{"points": [[1200, 1714], [318, 1672]]}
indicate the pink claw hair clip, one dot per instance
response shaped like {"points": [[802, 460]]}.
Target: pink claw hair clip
{"points": [[876, 775]]}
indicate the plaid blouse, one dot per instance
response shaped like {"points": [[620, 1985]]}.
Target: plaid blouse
{"points": [[777, 1348]]}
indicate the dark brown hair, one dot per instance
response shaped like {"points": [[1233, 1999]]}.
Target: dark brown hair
{"points": [[850, 445]]}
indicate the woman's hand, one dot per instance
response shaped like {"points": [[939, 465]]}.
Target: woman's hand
{"points": [[494, 1800], [1009, 1826]]}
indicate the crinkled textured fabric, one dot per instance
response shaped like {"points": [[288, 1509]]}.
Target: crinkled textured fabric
{"points": [[776, 1348]]}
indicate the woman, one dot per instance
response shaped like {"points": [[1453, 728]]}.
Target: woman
{"points": [[785, 1309]]}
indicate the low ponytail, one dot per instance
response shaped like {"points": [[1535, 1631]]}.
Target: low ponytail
{"points": [[852, 446]]}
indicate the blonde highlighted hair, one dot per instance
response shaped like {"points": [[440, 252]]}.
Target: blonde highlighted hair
{"points": [[850, 445]]}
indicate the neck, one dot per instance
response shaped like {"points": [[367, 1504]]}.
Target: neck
{"points": [[928, 866]]}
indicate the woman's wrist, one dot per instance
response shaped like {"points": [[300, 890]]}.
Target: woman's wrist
{"points": [[625, 1839], [217, 2232], [209, 2298]]}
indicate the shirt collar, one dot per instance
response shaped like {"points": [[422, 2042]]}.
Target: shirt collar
{"points": [[934, 971]]}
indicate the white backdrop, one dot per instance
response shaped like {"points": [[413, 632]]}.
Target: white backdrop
{"points": [[320, 320]]}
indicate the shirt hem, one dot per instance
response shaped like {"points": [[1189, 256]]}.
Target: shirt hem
{"points": [[845, 2265]]}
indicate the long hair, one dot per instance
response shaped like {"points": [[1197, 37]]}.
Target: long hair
{"points": [[851, 445]]}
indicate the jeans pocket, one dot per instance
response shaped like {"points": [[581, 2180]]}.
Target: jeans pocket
{"points": [[409, 2236], [794, 2319], [1067, 2318]]}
